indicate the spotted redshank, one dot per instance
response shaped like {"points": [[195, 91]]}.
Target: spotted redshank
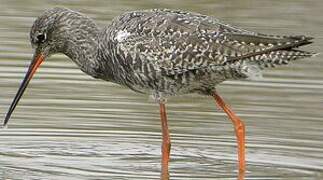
{"points": [[164, 53]]}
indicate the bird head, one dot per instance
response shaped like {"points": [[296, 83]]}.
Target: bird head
{"points": [[47, 38], [51, 30]]}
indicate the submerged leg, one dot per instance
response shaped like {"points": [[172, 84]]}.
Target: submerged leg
{"points": [[239, 130], [166, 142]]}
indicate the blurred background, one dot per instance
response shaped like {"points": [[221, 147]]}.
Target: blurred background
{"points": [[71, 126]]}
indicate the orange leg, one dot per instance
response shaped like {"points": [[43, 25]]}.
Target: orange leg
{"points": [[239, 130], [166, 142]]}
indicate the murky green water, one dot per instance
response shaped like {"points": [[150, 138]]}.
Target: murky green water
{"points": [[70, 126]]}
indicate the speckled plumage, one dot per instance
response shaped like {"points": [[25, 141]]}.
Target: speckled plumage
{"points": [[161, 52], [164, 52]]}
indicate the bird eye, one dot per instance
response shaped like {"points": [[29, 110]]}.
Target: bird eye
{"points": [[41, 38]]}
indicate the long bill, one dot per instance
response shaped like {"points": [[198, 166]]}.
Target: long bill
{"points": [[35, 63]]}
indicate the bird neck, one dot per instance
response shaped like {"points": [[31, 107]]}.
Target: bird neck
{"points": [[80, 41]]}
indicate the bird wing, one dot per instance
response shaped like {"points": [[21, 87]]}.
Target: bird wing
{"points": [[174, 42]]}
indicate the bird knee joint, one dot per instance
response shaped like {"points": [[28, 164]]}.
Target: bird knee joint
{"points": [[240, 127]]}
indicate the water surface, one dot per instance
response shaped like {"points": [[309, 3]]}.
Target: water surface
{"points": [[71, 126]]}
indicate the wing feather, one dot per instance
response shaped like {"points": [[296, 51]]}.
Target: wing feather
{"points": [[174, 42]]}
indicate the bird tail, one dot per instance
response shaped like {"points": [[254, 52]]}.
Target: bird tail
{"points": [[252, 66], [280, 57]]}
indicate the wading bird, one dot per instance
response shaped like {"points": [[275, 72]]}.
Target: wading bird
{"points": [[161, 52]]}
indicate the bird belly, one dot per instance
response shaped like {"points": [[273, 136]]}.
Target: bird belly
{"points": [[202, 82]]}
